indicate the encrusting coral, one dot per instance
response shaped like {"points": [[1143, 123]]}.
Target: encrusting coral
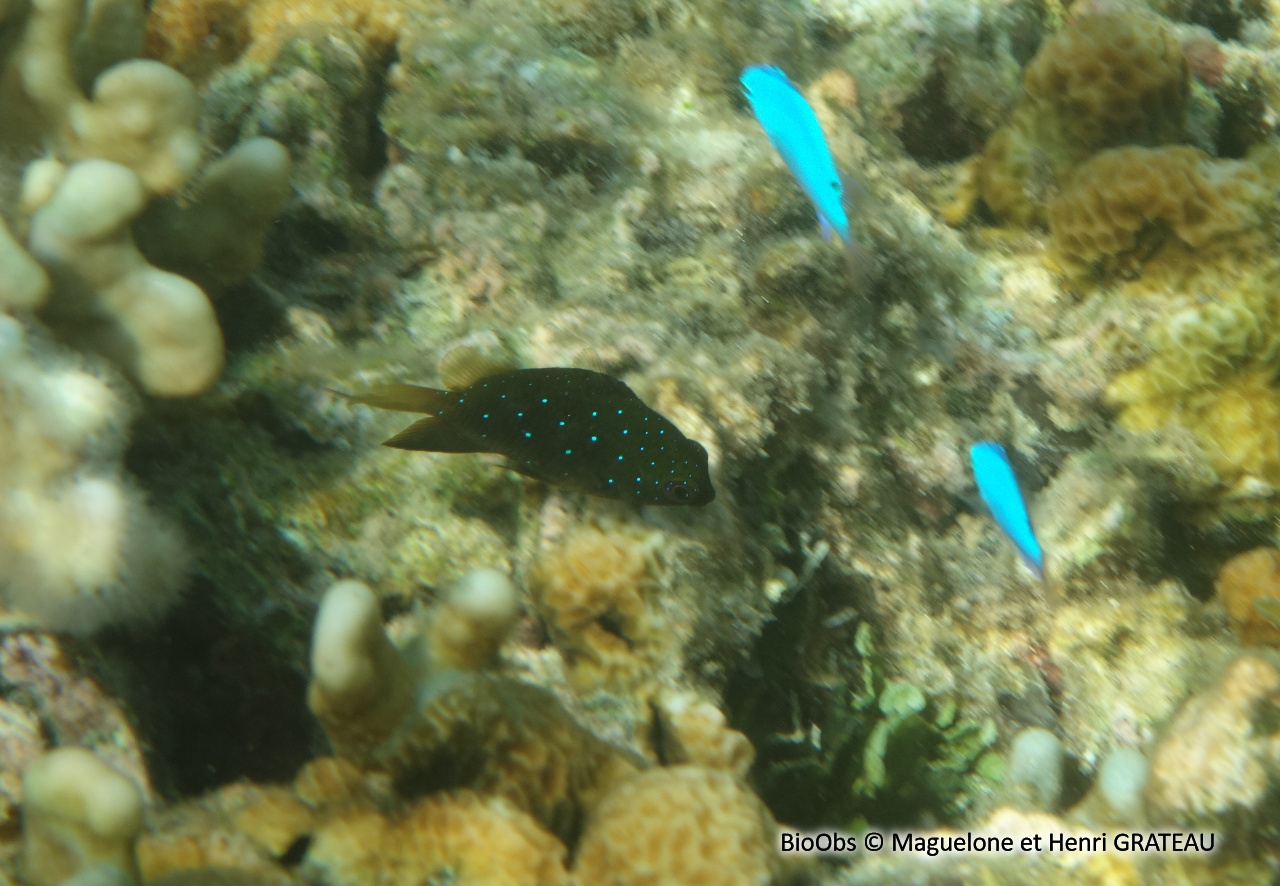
{"points": [[1212, 370], [693, 730], [1213, 765], [595, 590], [197, 33], [460, 837]]}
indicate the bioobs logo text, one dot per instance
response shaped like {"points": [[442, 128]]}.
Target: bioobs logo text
{"points": [[821, 841]]}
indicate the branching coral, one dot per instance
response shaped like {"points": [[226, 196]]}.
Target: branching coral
{"points": [[159, 326], [78, 813], [133, 140], [142, 114], [464, 727], [78, 548]]}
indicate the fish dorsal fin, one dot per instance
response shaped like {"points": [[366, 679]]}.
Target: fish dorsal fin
{"points": [[590, 358], [401, 398], [464, 365]]}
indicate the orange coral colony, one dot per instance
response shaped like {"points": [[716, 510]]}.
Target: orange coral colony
{"points": [[1250, 587]]}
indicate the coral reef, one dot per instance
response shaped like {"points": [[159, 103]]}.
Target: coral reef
{"points": [[158, 326], [460, 836], [51, 703], [1068, 868], [1210, 370], [195, 35], [433, 720], [532, 685], [595, 590], [134, 139]]}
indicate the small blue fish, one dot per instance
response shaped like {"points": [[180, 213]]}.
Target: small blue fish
{"points": [[794, 131], [999, 489]]}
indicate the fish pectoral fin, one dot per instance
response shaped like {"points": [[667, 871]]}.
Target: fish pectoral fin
{"points": [[825, 226], [435, 434], [402, 398], [528, 468]]}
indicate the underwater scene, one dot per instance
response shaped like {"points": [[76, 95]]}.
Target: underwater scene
{"points": [[639, 442]]}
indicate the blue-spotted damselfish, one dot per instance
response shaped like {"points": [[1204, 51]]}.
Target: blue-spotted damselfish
{"points": [[567, 427]]}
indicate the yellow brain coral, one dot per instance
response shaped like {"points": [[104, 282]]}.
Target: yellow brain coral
{"points": [[1212, 370], [1110, 79], [682, 824], [462, 839], [593, 590], [1117, 194]]}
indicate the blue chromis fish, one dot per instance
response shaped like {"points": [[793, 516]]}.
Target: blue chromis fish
{"points": [[566, 427], [794, 131], [999, 489]]}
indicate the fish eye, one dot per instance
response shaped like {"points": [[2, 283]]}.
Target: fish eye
{"points": [[678, 490]]}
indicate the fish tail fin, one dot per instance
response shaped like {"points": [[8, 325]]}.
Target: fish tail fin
{"points": [[401, 398], [1037, 567], [435, 434], [861, 265]]}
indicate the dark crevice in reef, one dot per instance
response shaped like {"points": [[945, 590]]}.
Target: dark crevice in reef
{"points": [[1194, 555], [931, 131], [218, 688], [211, 702], [771, 699], [1244, 114], [597, 163], [367, 140]]}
